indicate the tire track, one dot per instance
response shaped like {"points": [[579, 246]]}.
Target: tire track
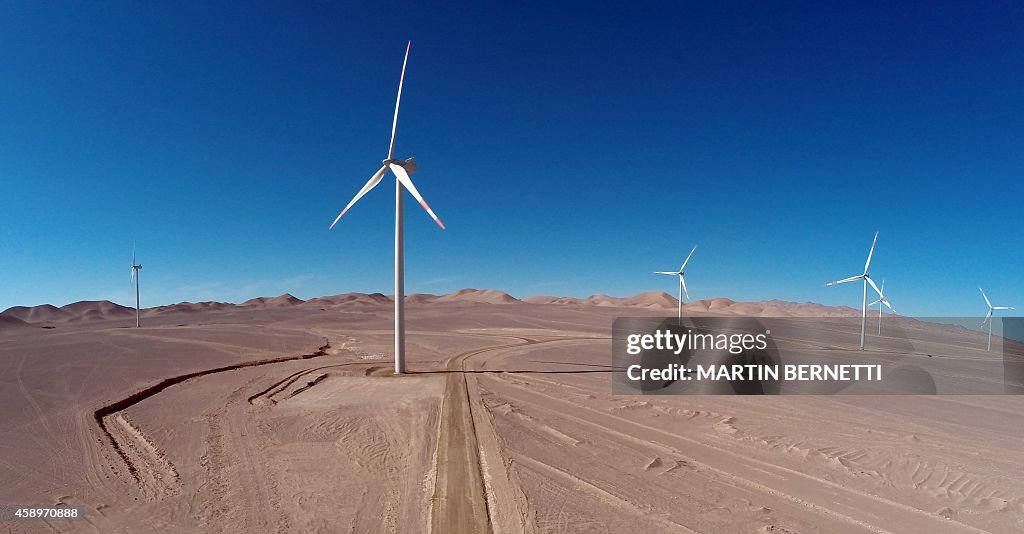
{"points": [[840, 502], [459, 502], [286, 382], [129, 450]]}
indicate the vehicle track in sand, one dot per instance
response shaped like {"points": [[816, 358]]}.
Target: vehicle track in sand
{"points": [[837, 502], [142, 459], [268, 395], [459, 502]]}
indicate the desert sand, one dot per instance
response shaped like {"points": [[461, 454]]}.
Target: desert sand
{"points": [[280, 415]]}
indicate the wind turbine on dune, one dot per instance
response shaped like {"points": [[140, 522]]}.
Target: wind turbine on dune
{"points": [[988, 318], [401, 170], [882, 300], [867, 280], [136, 267], [682, 281]]}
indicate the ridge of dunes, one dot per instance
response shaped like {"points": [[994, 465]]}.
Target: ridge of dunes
{"points": [[93, 310]]}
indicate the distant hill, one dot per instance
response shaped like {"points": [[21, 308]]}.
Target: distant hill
{"points": [[49, 315], [7, 323], [364, 299], [282, 301], [544, 299], [96, 310], [186, 307], [42, 314], [485, 296], [659, 300], [652, 299]]}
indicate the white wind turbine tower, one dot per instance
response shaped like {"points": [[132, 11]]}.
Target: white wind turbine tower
{"points": [[401, 170], [882, 300], [136, 267], [988, 318], [682, 282], [867, 280]]}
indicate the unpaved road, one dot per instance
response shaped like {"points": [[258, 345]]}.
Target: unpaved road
{"points": [[459, 502]]}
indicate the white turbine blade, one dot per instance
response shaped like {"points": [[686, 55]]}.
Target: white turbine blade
{"points": [[374, 180], [666, 272], [879, 301], [1002, 307], [407, 182], [687, 260], [682, 283], [984, 296], [870, 253], [844, 280], [398, 100], [987, 317], [873, 286], [881, 298]]}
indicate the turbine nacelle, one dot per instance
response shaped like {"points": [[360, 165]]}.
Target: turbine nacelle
{"points": [[409, 165]]}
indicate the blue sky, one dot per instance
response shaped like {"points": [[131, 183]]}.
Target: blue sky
{"points": [[570, 150]]}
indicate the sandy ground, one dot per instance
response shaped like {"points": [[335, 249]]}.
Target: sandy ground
{"points": [[286, 419]]}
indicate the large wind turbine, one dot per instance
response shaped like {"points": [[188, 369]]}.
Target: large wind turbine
{"points": [[882, 300], [988, 318], [867, 280], [682, 282], [136, 267], [401, 170]]}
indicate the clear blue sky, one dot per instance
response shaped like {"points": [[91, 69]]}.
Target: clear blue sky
{"points": [[570, 150]]}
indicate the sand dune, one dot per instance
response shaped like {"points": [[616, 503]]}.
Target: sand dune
{"points": [[7, 322], [78, 311], [547, 299], [541, 299], [96, 310], [42, 314], [485, 296], [603, 300], [281, 301], [186, 307], [652, 299], [808, 309], [369, 299], [103, 306], [49, 315], [358, 299]]}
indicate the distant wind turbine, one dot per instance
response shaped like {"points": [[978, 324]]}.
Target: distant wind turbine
{"points": [[867, 280], [682, 282], [136, 267], [988, 318], [401, 170], [882, 300]]}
